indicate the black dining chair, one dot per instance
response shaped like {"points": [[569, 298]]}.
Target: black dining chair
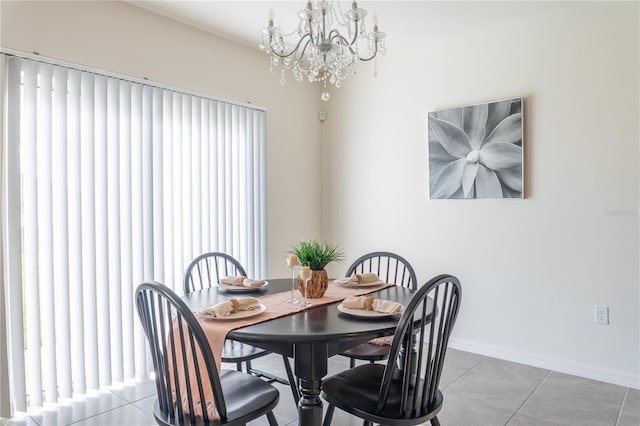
{"points": [[205, 271], [405, 391], [175, 337], [391, 268]]}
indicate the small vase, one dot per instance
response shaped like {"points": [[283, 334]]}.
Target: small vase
{"points": [[317, 284]]}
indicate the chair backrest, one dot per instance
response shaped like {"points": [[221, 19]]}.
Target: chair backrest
{"points": [[208, 268], [425, 326], [390, 267], [181, 355]]}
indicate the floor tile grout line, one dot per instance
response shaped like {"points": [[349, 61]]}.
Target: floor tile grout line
{"points": [[624, 400], [462, 375], [529, 397], [104, 412]]}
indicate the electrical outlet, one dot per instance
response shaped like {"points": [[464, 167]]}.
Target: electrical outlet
{"points": [[601, 314]]}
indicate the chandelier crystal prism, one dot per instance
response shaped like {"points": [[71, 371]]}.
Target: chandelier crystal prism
{"points": [[328, 44]]}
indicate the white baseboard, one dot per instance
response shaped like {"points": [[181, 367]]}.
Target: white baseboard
{"points": [[615, 377]]}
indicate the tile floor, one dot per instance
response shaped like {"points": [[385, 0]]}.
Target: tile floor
{"points": [[478, 391]]}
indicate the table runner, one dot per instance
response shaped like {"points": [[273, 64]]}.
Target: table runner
{"points": [[276, 306]]}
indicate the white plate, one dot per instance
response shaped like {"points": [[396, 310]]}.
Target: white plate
{"points": [[344, 283], [236, 315], [240, 289], [363, 313]]}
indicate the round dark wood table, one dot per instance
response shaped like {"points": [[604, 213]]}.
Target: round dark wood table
{"points": [[310, 336]]}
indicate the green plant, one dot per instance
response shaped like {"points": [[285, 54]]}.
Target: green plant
{"points": [[317, 255]]}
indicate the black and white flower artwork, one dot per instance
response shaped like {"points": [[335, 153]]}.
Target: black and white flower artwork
{"points": [[476, 151]]}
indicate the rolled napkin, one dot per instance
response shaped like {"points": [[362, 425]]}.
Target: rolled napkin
{"points": [[357, 279], [219, 310], [234, 280], [370, 303], [367, 278], [245, 304], [248, 282], [223, 309]]}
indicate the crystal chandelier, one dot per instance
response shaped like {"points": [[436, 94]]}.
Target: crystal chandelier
{"points": [[323, 53]]}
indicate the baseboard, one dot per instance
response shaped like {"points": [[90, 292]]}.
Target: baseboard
{"points": [[615, 377]]}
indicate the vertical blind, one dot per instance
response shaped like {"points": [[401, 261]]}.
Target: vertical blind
{"points": [[112, 182]]}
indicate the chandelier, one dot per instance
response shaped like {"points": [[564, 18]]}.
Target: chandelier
{"points": [[321, 51]]}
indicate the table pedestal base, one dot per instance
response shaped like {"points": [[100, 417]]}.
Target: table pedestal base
{"points": [[310, 367]]}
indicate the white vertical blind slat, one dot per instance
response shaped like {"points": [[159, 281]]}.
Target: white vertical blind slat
{"points": [[196, 197], [74, 194], [205, 168], [242, 247], [262, 210], [114, 183], [29, 166], [45, 232], [14, 301], [214, 179], [167, 188], [114, 232], [101, 229], [158, 186], [60, 213], [87, 232], [147, 182], [137, 251], [225, 182], [250, 194], [176, 168], [126, 262], [187, 144]]}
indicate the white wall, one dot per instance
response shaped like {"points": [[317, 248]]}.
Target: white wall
{"points": [[118, 37], [532, 270]]}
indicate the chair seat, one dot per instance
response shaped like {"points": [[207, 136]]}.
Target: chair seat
{"points": [[368, 352], [356, 391], [246, 398], [239, 352]]}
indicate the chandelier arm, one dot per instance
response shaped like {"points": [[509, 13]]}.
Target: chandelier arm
{"points": [[294, 50], [355, 33], [304, 49], [375, 52]]}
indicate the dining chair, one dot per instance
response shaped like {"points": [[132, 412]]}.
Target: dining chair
{"points": [[205, 271], [391, 268], [405, 391], [184, 388]]}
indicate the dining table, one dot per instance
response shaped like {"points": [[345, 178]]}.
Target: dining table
{"points": [[311, 336]]}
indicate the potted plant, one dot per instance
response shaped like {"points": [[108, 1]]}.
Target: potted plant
{"points": [[316, 256]]}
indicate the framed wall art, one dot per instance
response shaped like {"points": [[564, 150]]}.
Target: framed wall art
{"points": [[476, 151]]}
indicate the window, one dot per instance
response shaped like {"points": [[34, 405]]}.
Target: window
{"points": [[112, 182]]}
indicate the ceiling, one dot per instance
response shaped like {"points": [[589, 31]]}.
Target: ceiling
{"points": [[242, 21]]}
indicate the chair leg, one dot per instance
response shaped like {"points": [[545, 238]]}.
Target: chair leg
{"points": [[435, 421], [352, 362], [293, 383], [329, 415], [272, 419]]}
